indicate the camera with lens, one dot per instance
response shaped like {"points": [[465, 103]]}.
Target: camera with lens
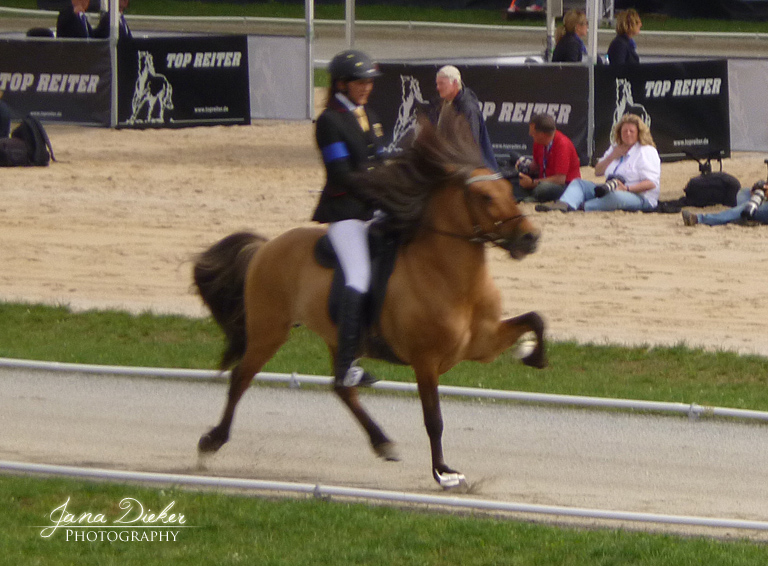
{"points": [[756, 198], [610, 185], [524, 165]]}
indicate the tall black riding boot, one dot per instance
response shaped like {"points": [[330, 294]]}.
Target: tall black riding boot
{"points": [[350, 329]]}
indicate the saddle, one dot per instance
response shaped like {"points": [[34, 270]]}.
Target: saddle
{"points": [[383, 248]]}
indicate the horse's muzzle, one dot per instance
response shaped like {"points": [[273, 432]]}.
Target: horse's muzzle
{"points": [[521, 245]]}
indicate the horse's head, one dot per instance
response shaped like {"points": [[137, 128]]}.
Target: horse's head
{"points": [[496, 216]]}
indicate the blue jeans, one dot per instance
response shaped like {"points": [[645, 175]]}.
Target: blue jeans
{"points": [[582, 192], [734, 214]]}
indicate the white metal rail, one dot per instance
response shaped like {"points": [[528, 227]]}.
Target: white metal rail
{"points": [[692, 410], [328, 491]]}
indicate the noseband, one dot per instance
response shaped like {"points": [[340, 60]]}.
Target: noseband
{"points": [[478, 235]]}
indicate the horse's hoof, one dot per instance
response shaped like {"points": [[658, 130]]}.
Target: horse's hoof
{"points": [[524, 348], [536, 359], [387, 451], [450, 480], [208, 443]]}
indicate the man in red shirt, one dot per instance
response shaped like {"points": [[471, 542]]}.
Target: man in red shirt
{"points": [[555, 162]]}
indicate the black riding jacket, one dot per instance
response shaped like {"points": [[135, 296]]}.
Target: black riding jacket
{"points": [[345, 148]]}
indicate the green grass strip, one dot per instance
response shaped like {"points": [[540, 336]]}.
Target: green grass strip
{"points": [[386, 12], [675, 374], [233, 530]]}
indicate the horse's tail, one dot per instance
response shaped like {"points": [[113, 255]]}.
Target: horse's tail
{"points": [[219, 274]]}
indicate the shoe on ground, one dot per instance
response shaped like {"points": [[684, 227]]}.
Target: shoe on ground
{"points": [[534, 9], [690, 218], [557, 205]]}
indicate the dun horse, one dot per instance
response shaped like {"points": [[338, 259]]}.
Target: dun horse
{"points": [[441, 305]]}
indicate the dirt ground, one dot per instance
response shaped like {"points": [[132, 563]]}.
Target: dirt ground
{"points": [[115, 221]]}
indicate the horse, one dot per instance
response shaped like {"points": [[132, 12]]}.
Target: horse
{"points": [[441, 304], [152, 90]]}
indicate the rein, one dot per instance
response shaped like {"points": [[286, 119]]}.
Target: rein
{"points": [[480, 237]]}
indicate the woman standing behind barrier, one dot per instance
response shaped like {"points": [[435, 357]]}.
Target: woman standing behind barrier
{"points": [[623, 49], [570, 46], [633, 173], [350, 138]]}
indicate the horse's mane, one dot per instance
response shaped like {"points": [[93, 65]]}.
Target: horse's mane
{"points": [[437, 156]]}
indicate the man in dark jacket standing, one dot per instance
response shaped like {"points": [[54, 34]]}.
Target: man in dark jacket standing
{"points": [[72, 22], [465, 102]]}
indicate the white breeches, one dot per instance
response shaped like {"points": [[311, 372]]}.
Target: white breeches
{"points": [[349, 239]]}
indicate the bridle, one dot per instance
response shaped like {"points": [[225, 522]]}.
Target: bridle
{"points": [[478, 235]]}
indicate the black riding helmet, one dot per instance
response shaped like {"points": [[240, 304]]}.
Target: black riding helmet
{"points": [[352, 65]]}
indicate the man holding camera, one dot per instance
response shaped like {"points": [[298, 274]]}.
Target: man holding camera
{"points": [[555, 163], [750, 207]]}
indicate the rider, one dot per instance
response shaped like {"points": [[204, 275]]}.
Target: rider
{"points": [[349, 137]]}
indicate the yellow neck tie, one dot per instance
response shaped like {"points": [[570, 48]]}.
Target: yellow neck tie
{"points": [[362, 119]]}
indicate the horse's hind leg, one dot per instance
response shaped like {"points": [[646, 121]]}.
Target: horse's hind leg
{"points": [[382, 445], [254, 359]]}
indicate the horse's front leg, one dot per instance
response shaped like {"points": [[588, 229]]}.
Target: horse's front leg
{"points": [[433, 421], [513, 328]]}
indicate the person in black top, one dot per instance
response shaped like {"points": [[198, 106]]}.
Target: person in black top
{"points": [[453, 92], [350, 139], [570, 46], [72, 21], [102, 30], [623, 50]]}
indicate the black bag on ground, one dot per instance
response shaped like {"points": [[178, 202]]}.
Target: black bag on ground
{"points": [[13, 153], [31, 134], [711, 189]]}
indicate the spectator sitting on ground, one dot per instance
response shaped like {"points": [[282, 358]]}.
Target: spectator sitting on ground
{"points": [[102, 30], [750, 206], [453, 93], [5, 118], [570, 46], [555, 163], [72, 22], [633, 171]]}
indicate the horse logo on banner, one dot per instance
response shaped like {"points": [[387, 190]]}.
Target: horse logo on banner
{"points": [[625, 104], [152, 95], [406, 114]]}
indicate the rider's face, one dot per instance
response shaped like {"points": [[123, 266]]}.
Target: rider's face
{"points": [[359, 90]]}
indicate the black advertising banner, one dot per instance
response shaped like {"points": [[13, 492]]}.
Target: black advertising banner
{"points": [[509, 96], [183, 81], [57, 81], [685, 105]]}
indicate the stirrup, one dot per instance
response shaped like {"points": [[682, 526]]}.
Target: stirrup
{"points": [[358, 377]]}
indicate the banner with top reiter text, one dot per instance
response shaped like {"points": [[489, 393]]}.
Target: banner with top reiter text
{"points": [[183, 81], [509, 96], [57, 81]]}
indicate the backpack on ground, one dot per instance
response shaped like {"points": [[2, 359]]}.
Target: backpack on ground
{"points": [[710, 188], [707, 189], [32, 137]]}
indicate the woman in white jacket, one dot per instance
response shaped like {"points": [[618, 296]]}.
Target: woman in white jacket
{"points": [[633, 174]]}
